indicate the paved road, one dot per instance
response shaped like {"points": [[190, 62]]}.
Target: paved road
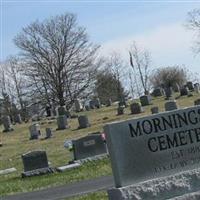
{"points": [[61, 192]]}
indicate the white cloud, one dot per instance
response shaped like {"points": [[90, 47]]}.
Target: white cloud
{"points": [[169, 45]]}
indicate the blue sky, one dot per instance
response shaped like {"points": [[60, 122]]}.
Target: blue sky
{"points": [[156, 26]]}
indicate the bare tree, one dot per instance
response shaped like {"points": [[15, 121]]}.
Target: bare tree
{"points": [[61, 60], [140, 62], [193, 23]]}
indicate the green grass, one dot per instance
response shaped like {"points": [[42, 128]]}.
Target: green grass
{"points": [[17, 143]]}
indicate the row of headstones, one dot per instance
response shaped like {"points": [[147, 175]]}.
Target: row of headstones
{"points": [[184, 91], [137, 108], [36, 162], [62, 124]]}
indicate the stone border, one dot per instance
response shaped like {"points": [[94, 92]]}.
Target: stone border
{"points": [[162, 188]]}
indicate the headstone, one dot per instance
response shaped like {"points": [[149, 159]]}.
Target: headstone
{"points": [[7, 124], [168, 92], [34, 131], [120, 110], [89, 146], [157, 92], [136, 108], [122, 103], [92, 104], [184, 91], [155, 110], [197, 102], [145, 100], [61, 110], [176, 87], [18, 119], [109, 103], [190, 85], [62, 122], [87, 107], [35, 163], [83, 121], [48, 111], [154, 146], [97, 103], [196, 87], [49, 133], [171, 105], [78, 105]]}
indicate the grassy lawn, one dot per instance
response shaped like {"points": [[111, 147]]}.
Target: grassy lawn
{"points": [[17, 142]]}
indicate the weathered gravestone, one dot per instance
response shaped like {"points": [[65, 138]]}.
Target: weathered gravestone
{"points": [[120, 110], [154, 110], [97, 103], [62, 122], [35, 163], [49, 133], [176, 87], [18, 119], [87, 107], [83, 121], [155, 146], [78, 105], [168, 92], [171, 105], [197, 102], [196, 87], [157, 92], [109, 102], [34, 131], [92, 104], [7, 124], [89, 146], [136, 108], [190, 85], [61, 110], [184, 91], [145, 100]]}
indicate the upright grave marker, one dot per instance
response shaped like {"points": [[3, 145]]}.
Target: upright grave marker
{"points": [[155, 146], [35, 163], [89, 146]]}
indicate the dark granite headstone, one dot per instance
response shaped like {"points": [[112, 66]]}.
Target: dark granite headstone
{"points": [[18, 119], [145, 100], [35, 163], [190, 85], [154, 110], [87, 107], [89, 146], [62, 122], [136, 108], [61, 110], [120, 110], [7, 124], [49, 133], [48, 111], [157, 92], [168, 92], [92, 104], [184, 91], [171, 105], [83, 121], [197, 102]]}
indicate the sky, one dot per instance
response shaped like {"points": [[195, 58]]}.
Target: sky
{"points": [[158, 26]]}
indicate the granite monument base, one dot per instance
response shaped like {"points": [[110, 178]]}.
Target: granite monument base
{"points": [[181, 186], [38, 172]]}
